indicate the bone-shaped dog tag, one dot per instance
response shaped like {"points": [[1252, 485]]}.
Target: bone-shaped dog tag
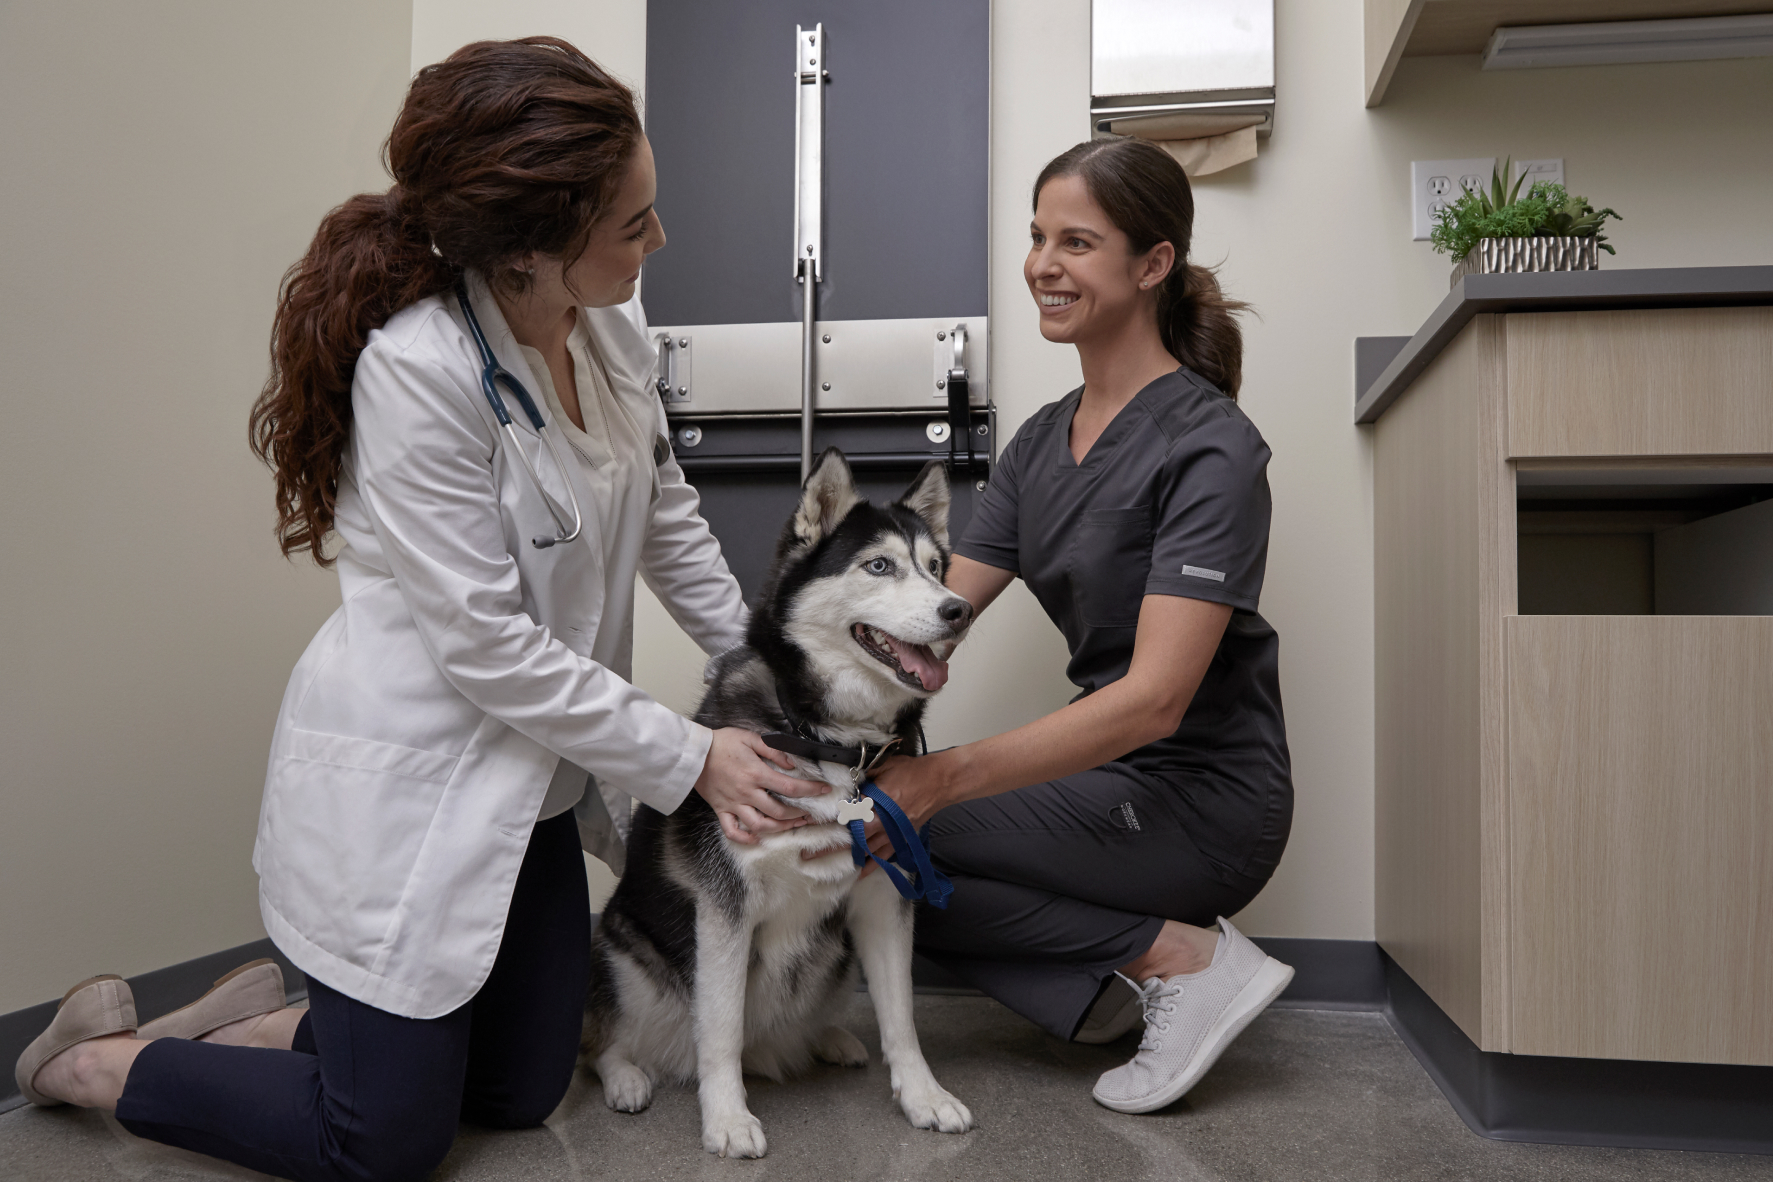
{"points": [[860, 809]]}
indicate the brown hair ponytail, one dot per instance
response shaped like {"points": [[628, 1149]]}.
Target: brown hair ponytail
{"points": [[503, 149], [1146, 195]]}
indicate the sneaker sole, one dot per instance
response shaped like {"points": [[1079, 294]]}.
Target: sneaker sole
{"points": [[1264, 987]]}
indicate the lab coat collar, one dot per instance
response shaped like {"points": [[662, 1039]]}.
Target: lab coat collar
{"points": [[619, 331], [499, 338]]}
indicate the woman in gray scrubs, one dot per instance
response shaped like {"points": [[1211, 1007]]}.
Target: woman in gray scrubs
{"points": [[1094, 851]]}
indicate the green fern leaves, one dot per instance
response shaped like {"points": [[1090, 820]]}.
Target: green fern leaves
{"points": [[1500, 211]]}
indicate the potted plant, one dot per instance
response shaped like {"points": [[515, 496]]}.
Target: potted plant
{"points": [[1494, 230]]}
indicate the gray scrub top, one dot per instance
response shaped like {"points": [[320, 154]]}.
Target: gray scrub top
{"points": [[1172, 500]]}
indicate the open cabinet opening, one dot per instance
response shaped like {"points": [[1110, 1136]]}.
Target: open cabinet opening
{"points": [[1688, 541]]}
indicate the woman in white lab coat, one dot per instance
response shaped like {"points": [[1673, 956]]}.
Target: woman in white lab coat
{"points": [[464, 720]]}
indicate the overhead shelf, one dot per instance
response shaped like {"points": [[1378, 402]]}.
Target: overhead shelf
{"points": [[1396, 29]]}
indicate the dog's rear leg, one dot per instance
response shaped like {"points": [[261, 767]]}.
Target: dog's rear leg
{"points": [[880, 921], [838, 1046], [723, 953], [626, 1088]]}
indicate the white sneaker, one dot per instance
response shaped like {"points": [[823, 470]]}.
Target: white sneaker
{"points": [[1190, 1020], [1117, 1011]]}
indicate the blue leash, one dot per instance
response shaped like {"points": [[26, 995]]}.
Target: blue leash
{"points": [[926, 882]]}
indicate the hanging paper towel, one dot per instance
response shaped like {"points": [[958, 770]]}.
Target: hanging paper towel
{"points": [[1202, 142]]}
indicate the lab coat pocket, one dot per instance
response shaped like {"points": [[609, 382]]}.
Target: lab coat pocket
{"points": [[347, 817], [1110, 561]]}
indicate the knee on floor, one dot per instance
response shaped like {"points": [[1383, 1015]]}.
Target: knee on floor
{"points": [[395, 1152], [521, 1111]]}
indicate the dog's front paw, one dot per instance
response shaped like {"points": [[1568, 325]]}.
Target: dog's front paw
{"points": [[739, 1135], [931, 1107], [626, 1087], [839, 1046]]}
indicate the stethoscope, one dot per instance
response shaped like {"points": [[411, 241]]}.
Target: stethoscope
{"points": [[491, 375]]}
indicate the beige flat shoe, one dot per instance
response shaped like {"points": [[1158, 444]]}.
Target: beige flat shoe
{"points": [[92, 1009], [248, 991]]}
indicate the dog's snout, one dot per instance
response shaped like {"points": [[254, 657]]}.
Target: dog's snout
{"points": [[956, 612]]}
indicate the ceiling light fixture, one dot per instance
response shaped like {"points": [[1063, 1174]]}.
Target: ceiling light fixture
{"points": [[1523, 47]]}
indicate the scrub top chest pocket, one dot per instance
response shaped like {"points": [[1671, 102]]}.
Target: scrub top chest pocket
{"points": [[1110, 561]]}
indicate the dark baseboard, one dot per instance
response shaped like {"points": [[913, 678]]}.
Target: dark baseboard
{"points": [[158, 992], [1328, 974], [1626, 1103]]}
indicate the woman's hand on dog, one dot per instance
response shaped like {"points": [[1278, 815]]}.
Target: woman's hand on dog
{"points": [[737, 779], [918, 786]]}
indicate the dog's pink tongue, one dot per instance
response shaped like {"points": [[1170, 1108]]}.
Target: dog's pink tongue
{"points": [[918, 660]]}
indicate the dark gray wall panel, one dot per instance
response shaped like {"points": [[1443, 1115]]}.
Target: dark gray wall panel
{"points": [[906, 163]]}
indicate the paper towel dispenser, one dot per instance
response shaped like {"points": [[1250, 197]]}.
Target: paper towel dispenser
{"points": [[1174, 70]]}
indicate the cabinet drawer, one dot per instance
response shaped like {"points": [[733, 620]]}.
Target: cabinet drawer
{"points": [[1664, 382], [1640, 766]]}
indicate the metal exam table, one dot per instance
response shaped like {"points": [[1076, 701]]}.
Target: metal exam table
{"points": [[823, 172]]}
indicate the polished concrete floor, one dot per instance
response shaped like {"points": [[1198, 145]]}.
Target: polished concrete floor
{"points": [[1304, 1094]]}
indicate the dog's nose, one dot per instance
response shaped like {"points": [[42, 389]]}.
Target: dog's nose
{"points": [[957, 613]]}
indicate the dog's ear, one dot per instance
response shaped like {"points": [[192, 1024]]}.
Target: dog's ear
{"points": [[928, 497], [826, 499]]}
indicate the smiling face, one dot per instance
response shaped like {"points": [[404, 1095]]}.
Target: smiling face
{"points": [[901, 617], [606, 273], [1081, 268], [861, 590]]}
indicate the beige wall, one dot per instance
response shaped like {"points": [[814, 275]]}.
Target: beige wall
{"points": [[612, 32], [165, 163]]}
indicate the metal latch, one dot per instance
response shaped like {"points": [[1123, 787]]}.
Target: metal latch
{"points": [[960, 409], [673, 383]]}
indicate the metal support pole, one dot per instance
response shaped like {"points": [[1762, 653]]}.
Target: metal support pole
{"points": [[808, 297], [809, 186]]}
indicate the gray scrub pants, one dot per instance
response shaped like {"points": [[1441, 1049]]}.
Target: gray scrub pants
{"points": [[1058, 884]]}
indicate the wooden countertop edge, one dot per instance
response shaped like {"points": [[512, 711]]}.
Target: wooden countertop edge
{"points": [[1560, 291]]}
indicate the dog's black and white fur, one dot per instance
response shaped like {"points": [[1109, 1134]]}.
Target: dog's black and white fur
{"points": [[714, 958]]}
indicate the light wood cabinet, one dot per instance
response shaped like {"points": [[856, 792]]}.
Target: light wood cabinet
{"points": [[1642, 382], [1575, 812], [1640, 836], [1396, 29]]}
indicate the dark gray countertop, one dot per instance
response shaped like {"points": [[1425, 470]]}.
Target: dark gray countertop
{"points": [[1559, 291]]}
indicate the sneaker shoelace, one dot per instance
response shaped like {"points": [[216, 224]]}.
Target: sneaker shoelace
{"points": [[1159, 997]]}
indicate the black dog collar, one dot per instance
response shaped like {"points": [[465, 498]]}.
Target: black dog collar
{"points": [[859, 759]]}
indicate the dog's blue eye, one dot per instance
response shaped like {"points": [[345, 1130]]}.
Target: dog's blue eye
{"points": [[877, 566]]}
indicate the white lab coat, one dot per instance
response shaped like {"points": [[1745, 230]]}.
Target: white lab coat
{"points": [[422, 726]]}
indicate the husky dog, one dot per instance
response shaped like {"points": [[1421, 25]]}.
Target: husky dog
{"points": [[714, 957]]}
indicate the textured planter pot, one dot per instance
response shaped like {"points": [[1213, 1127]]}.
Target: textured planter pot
{"points": [[1493, 256]]}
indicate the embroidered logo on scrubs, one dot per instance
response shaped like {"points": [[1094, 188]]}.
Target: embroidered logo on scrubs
{"points": [[1201, 572], [1123, 816]]}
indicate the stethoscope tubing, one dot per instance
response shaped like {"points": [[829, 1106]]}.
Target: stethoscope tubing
{"points": [[491, 374]]}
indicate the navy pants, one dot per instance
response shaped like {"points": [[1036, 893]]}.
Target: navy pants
{"points": [[1059, 884], [373, 1097]]}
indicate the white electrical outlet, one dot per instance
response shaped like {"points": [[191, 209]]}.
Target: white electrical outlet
{"points": [[1536, 172], [1435, 184]]}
